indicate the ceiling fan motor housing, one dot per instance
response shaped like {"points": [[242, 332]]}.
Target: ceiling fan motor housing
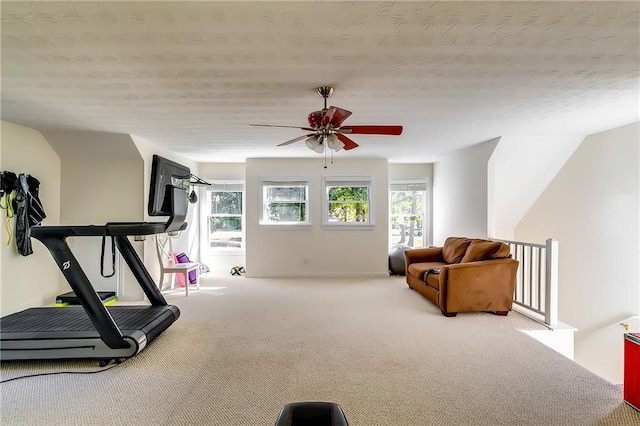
{"points": [[316, 117], [325, 91]]}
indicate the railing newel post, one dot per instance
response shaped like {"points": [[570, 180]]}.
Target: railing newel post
{"points": [[551, 284]]}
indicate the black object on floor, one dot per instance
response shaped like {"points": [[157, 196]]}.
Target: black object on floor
{"points": [[70, 298], [312, 414]]}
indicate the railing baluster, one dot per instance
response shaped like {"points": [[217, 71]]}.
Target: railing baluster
{"points": [[539, 302], [522, 271], [539, 278], [530, 268], [516, 256]]}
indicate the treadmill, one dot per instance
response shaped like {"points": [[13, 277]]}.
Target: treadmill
{"points": [[92, 330]]}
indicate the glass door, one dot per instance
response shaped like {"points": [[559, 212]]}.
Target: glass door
{"points": [[408, 205]]}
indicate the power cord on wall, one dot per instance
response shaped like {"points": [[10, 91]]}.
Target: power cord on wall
{"points": [[114, 363]]}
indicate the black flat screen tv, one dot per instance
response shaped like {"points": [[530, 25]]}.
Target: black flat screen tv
{"points": [[165, 175]]}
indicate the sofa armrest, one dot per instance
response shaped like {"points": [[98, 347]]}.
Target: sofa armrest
{"points": [[416, 255], [419, 255], [486, 285]]}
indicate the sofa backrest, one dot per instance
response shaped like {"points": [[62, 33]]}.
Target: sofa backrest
{"points": [[454, 249], [479, 249], [463, 249]]}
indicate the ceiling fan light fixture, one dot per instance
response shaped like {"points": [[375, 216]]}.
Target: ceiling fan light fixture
{"points": [[310, 141], [314, 144], [334, 143]]}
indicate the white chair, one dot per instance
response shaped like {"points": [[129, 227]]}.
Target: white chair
{"points": [[168, 265]]}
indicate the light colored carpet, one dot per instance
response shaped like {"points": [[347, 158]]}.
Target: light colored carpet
{"points": [[243, 349]]}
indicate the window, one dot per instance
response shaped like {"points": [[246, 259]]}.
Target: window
{"points": [[407, 202], [285, 202], [226, 215], [347, 201]]}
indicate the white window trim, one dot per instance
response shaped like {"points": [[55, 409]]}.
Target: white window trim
{"points": [[283, 225], [227, 250], [367, 181]]}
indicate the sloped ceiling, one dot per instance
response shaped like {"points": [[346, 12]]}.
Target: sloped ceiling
{"points": [[191, 76]]}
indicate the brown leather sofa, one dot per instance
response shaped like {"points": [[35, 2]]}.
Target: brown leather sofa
{"points": [[464, 275]]}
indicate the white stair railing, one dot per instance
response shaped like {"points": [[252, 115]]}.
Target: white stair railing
{"points": [[536, 293]]}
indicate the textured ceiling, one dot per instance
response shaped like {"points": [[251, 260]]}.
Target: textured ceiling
{"points": [[191, 76]]}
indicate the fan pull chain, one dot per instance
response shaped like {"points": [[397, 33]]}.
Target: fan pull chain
{"points": [[325, 156]]}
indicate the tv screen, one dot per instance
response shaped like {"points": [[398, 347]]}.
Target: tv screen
{"points": [[165, 175]]}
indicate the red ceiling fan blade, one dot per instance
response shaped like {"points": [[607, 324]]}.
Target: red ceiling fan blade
{"points": [[295, 140], [371, 130], [309, 129], [348, 143], [335, 116]]}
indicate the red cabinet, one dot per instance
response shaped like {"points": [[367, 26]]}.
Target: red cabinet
{"points": [[632, 369]]}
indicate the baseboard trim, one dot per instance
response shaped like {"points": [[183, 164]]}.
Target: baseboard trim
{"points": [[323, 275]]}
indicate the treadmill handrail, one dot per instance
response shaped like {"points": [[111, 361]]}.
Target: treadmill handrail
{"points": [[176, 222]]}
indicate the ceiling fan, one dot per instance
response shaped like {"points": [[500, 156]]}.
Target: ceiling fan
{"points": [[326, 129]]}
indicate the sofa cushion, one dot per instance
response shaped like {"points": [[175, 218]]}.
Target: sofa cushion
{"points": [[454, 249], [433, 280], [481, 250], [419, 270]]}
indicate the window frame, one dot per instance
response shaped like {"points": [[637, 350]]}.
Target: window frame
{"points": [[209, 216], [285, 181], [346, 181]]}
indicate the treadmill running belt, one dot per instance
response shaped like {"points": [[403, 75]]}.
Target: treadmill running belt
{"points": [[74, 318]]}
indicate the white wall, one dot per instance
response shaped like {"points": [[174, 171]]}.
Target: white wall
{"points": [[101, 177], [460, 193], [101, 181], [32, 280], [222, 171], [520, 168], [314, 251], [411, 171], [592, 208], [188, 241], [219, 262]]}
